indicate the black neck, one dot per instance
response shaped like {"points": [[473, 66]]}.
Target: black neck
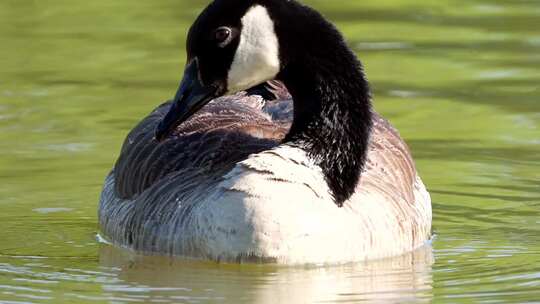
{"points": [[332, 115]]}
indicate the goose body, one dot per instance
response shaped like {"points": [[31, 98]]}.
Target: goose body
{"points": [[250, 179]]}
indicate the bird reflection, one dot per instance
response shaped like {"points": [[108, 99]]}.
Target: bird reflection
{"points": [[172, 280]]}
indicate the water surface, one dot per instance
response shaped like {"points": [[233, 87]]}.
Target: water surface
{"points": [[460, 79]]}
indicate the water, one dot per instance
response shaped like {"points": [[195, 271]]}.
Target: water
{"points": [[459, 78]]}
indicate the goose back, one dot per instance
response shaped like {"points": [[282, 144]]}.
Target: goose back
{"points": [[225, 132]]}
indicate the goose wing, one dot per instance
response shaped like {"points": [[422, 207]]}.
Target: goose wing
{"points": [[225, 132]]}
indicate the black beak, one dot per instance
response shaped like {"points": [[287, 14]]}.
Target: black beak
{"points": [[190, 98]]}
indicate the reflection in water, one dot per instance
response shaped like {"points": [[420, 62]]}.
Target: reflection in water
{"points": [[404, 278]]}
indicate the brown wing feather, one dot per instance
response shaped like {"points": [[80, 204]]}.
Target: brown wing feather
{"points": [[225, 132], [390, 168], [229, 129]]}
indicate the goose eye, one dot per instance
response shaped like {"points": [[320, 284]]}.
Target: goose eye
{"points": [[223, 35]]}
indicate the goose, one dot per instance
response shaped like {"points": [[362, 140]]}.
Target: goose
{"points": [[224, 175]]}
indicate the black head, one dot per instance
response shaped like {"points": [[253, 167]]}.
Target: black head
{"points": [[232, 46], [238, 44]]}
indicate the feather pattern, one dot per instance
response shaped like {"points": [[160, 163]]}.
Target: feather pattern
{"points": [[224, 188]]}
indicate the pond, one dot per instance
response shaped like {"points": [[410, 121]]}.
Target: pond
{"points": [[460, 79]]}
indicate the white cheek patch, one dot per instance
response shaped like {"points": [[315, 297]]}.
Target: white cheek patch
{"points": [[257, 56]]}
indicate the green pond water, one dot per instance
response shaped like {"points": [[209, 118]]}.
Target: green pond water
{"points": [[459, 78]]}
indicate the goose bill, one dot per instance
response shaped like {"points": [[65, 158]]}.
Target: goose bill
{"points": [[190, 98]]}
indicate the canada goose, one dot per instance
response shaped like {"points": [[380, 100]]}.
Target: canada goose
{"points": [[221, 178]]}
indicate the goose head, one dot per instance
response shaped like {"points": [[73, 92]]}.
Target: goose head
{"points": [[231, 47]]}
